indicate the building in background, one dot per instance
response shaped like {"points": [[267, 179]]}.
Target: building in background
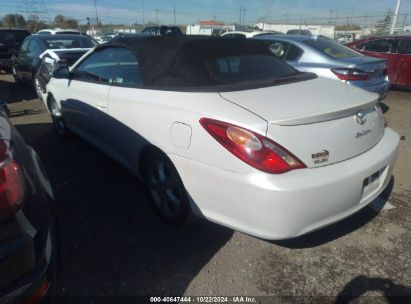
{"points": [[209, 28], [326, 30]]}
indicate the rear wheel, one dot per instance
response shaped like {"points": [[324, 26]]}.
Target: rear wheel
{"points": [[167, 191], [58, 119]]}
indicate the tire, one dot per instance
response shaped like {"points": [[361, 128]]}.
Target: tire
{"points": [[16, 78], [58, 119], [167, 192], [38, 88]]}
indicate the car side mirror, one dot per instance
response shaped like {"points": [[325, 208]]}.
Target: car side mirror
{"points": [[62, 73]]}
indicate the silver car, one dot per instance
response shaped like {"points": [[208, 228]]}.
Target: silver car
{"points": [[329, 59]]}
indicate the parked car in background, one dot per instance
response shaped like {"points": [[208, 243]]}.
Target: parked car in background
{"points": [[299, 32], [396, 50], [223, 129], [58, 31], [162, 31], [28, 60], [29, 255], [328, 58], [51, 60], [10, 41], [243, 35]]}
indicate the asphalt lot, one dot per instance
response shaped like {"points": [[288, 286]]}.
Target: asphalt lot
{"points": [[115, 245]]}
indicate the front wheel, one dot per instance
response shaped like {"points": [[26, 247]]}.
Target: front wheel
{"points": [[58, 119], [167, 191], [15, 76], [38, 87]]}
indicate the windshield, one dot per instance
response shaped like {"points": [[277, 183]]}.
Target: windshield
{"points": [[332, 48], [69, 42]]}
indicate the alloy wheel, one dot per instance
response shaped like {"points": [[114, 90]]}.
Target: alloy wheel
{"points": [[164, 186]]}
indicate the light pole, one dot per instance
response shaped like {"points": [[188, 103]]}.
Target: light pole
{"points": [[394, 20]]}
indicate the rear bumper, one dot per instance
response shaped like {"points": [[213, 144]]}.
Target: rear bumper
{"points": [[291, 204], [380, 88], [24, 260]]}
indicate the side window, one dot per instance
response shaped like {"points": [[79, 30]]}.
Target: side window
{"points": [[99, 66], [293, 53], [234, 36], [116, 66], [34, 47], [278, 48], [127, 72], [25, 46], [379, 45], [359, 46], [404, 47]]}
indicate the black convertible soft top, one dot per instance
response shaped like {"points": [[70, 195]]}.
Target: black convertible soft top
{"points": [[180, 61]]}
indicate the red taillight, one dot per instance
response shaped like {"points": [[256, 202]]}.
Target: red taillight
{"points": [[38, 294], [11, 185], [350, 74], [252, 148]]}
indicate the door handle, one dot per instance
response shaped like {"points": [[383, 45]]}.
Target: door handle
{"points": [[101, 105]]}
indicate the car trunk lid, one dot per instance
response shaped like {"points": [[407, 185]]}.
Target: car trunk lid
{"points": [[320, 121], [376, 68]]}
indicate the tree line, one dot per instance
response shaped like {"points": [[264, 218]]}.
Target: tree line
{"points": [[33, 24]]}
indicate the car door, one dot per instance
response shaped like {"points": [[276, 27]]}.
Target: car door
{"points": [[28, 59], [404, 65], [85, 104], [120, 131]]}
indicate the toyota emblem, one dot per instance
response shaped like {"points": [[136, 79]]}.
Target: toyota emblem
{"points": [[361, 118]]}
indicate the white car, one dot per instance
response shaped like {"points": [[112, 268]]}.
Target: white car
{"points": [[242, 34], [222, 129], [57, 31]]}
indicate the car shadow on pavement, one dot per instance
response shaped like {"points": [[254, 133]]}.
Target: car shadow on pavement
{"points": [[361, 285], [10, 92], [114, 242], [339, 229]]}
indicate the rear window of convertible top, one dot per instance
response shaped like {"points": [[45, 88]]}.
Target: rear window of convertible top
{"points": [[221, 62]]}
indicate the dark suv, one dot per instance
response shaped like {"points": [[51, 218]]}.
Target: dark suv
{"points": [[10, 41]]}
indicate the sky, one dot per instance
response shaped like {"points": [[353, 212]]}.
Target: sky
{"points": [[191, 11]]}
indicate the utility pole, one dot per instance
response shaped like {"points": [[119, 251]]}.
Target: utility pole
{"points": [[404, 22], [144, 21], [175, 21], [156, 16], [241, 13], [95, 7], [244, 14], [394, 20]]}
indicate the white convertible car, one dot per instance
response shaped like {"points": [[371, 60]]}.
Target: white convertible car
{"points": [[224, 130]]}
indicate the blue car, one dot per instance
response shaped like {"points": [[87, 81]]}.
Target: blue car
{"points": [[327, 58]]}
